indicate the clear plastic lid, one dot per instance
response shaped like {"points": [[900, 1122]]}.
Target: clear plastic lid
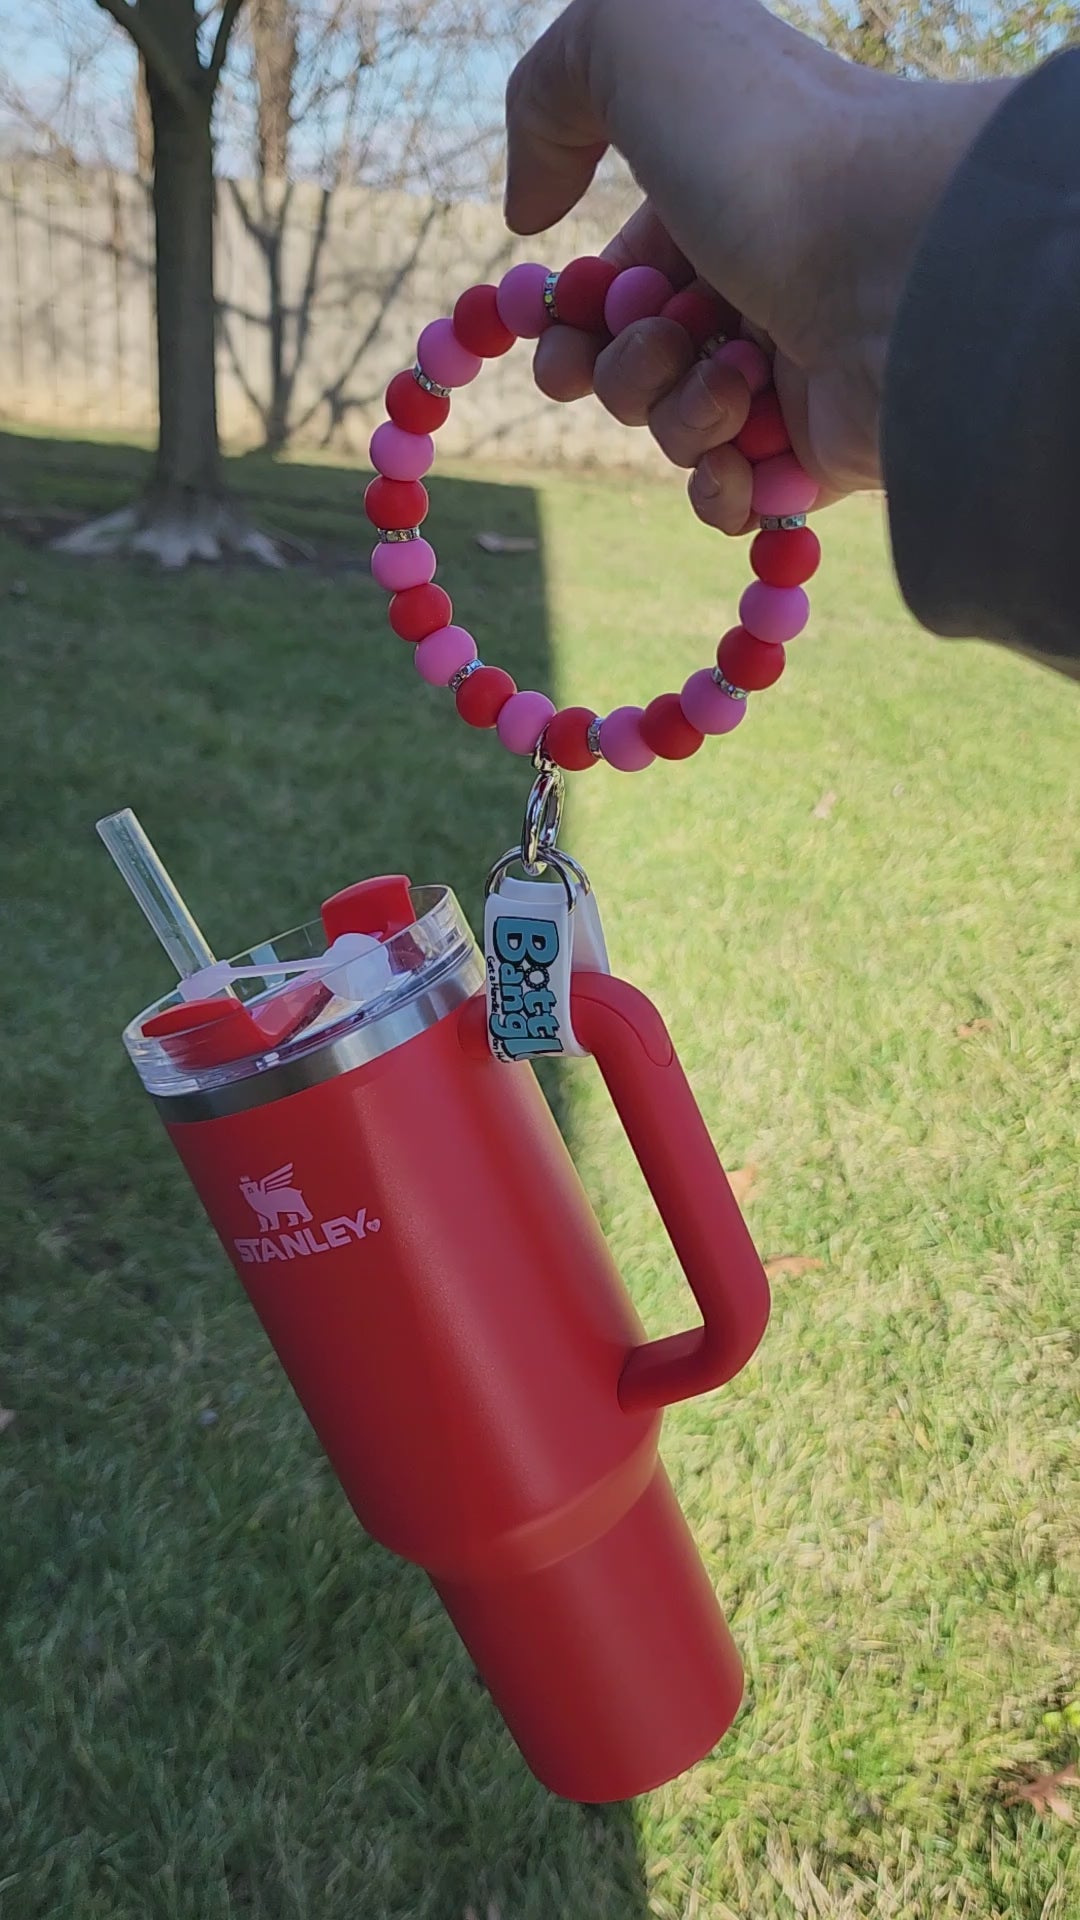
{"points": [[264, 1022]]}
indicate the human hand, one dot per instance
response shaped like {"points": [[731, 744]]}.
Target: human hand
{"points": [[793, 183]]}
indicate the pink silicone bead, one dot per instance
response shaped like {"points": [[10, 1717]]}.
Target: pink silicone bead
{"points": [[635, 294], [397, 564], [443, 654], [520, 300], [748, 359], [776, 614], [443, 357], [399, 455], [782, 486], [707, 706], [620, 738], [522, 720]]}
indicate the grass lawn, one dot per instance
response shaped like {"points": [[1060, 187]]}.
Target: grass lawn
{"points": [[860, 917]]}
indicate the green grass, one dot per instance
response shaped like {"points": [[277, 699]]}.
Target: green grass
{"points": [[218, 1699]]}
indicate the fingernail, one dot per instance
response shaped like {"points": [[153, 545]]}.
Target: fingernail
{"points": [[700, 407], [635, 358], [703, 482]]}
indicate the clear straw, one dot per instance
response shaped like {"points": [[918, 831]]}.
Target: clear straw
{"points": [[155, 892]]}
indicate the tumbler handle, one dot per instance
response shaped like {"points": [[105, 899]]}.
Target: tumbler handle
{"points": [[633, 1050]]}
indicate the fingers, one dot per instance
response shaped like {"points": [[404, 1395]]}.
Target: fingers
{"points": [[707, 408], [564, 362], [565, 359], [650, 377], [555, 135], [720, 492], [640, 368], [644, 241], [720, 488]]}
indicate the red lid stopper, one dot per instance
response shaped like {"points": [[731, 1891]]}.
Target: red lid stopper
{"points": [[381, 907]]}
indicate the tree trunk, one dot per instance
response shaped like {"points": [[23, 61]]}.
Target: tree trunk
{"points": [[275, 200], [274, 40], [274, 37], [186, 512], [144, 125], [188, 464]]}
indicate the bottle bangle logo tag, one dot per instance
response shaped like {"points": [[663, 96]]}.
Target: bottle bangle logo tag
{"points": [[532, 943]]}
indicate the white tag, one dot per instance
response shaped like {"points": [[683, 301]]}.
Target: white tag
{"points": [[532, 943]]}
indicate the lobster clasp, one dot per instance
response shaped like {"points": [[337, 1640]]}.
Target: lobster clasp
{"points": [[538, 849], [543, 815]]}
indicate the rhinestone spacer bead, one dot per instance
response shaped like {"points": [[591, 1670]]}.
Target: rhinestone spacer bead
{"points": [[391, 535], [550, 304], [459, 678], [725, 686], [592, 738], [782, 523], [712, 345], [430, 386]]}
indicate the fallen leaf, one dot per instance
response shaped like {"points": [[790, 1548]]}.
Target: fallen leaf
{"points": [[793, 1263], [742, 1182], [507, 543], [824, 806], [1043, 1792], [973, 1026], [7, 1419]]}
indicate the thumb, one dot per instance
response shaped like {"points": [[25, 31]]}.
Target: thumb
{"points": [[555, 133]]}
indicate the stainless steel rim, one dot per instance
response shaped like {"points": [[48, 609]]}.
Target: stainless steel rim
{"points": [[339, 1053]]}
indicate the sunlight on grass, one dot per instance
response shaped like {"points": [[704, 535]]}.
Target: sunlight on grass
{"points": [[888, 1496]]}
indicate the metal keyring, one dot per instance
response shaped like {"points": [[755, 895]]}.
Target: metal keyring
{"points": [[543, 818], [574, 878]]}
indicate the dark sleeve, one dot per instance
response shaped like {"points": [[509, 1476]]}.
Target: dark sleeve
{"points": [[981, 433]]}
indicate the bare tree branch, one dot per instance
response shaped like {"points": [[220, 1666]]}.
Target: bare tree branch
{"points": [[221, 40], [19, 107], [134, 21]]}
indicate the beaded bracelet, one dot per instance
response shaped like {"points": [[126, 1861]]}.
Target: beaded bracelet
{"points": [[591, 295]]}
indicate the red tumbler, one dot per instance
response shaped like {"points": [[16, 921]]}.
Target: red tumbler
{"points": [[412, 1233]]}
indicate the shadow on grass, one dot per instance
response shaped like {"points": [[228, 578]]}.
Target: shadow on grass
{"points": [[275, 1717]]}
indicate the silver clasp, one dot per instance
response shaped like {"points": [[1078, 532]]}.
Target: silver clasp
{"points": [[543, 817], [540, 832]]}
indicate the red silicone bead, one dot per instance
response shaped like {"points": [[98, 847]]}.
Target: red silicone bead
{"points": [[566, 739], [665, 728], [395, 504], [481, 698], [764, 435], [786, 557], [419, 611], [748, 663], [478, 326], [580, 292], [700, 312], [411, 406]]}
